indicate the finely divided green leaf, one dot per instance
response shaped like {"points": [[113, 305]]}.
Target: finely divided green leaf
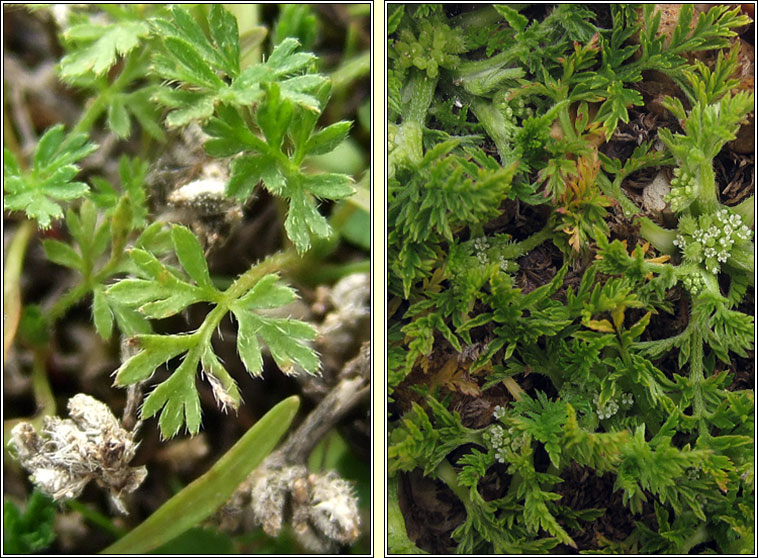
{"points": [[514, 19], [326, 139], [284, 60], [118, 118], [48, 147], [274, 115], [184, 27], [192, 66], [32, 530], [199, 108], [303, 217], [230, 134], [155, 350], [247, 342], [110, 41], [223, 29], [191, 255], [268, 292], [285, 338], [246, 172], [50, 179], [101, 313], [61, 253], [329, 186], [177, 399], [227, 393]]}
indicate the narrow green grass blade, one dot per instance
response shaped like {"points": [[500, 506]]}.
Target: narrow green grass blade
{"points": [[206, 494]]}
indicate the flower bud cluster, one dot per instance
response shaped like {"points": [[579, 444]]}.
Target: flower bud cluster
{"points": [[68, 453], [481, 245], [513, 110], [709, 239], [612, 407], [520, 109], [507, 112], [693, 282], [436, 46], [683, 190]]}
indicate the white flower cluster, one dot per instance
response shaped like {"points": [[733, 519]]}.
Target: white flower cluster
{"points": [[480, 250], [503, 442], [612, 407], [481, 245], [709, 238], [68, 453], [499, 412], [505, 265]]}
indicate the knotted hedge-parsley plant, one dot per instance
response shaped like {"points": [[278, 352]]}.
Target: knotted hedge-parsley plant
{"points": [[493, 114]]}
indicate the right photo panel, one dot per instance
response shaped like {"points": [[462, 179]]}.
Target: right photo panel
{"points": [[570, 279]]}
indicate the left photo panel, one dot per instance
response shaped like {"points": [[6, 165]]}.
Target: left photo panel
{"points": [[187, 279]]}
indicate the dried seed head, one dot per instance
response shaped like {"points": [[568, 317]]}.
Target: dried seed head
{"points": [[348, 323], [91, 415], [270, 490], [323, 508], [195, 189], [68, 453], [206, 194], [334, 508]]}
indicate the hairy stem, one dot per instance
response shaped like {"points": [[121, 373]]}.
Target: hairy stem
{"points": [[100, 103], [446, 473], [329, 273], [661, 239], [614, 191], [529, 244], [43, 393], [65, 302], [697, 378], [496, 126], [272, 264]]}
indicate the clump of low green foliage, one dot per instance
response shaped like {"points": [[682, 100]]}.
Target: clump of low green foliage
{"points": [[31, 530], [267, 112], [488, 108]]}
